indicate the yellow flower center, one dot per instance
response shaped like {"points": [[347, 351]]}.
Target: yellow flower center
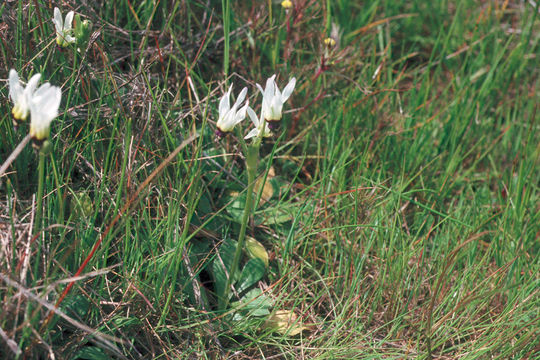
{"points": [[329, 42], [19, 113], [286, 4]]}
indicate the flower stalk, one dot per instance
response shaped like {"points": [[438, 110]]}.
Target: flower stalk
{"points": [[39, 195], [252, 160], [271, 114]]}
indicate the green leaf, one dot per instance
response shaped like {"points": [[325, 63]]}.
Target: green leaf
{"points": [[252, 272], [91, 353], [236, 208], [222, 265], [275, 215], [76, 306], [254, 303]]}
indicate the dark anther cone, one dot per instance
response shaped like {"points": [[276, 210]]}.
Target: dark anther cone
{"points": [[220, 134], [273, 125]]}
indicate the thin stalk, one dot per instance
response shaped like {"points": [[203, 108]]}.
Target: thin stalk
{"points": [[252, 158], [226, 8], [41, 179], [60, 217]]}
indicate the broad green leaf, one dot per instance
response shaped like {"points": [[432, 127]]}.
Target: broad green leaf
{"points": [[91, 353], [222, 265], [252, 272]]}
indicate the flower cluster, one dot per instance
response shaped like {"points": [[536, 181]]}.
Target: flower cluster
{"points": [[40, 103], [271, 110]]}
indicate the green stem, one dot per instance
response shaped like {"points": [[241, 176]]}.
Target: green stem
{"points": [[252, 158], [60, 217], [226, 8], [41, 180]]}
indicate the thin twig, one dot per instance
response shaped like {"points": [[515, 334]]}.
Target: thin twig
{"points": [[14, 154], [10, 343], [104, 338]]}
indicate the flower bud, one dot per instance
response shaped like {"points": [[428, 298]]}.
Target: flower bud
{"points": [[45, 147], [83, 28]]}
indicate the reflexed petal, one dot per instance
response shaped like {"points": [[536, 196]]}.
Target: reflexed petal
{"points": [[241, 97], [241, 114], [44, 108], [276, 107], [58, 21], [42, 91], [224, 104], [32, 84], [253, 117], [68, 23], [254, 132], [288, 90], [270, 85], [260, 89], [46, 102], [15, 88]]}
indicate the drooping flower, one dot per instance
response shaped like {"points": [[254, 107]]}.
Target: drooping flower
{"points": [[230, 117], [43, 109], [21, 96], [64, 28], [273, 100], [259, 123]]}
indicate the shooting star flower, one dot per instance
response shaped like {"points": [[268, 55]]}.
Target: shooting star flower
{"points": [[21, 96], [255, 132], [43, 109], [273, 100], [64, 29], [230, 117]]}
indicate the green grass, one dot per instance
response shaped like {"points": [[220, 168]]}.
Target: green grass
{"points": [[404, 218]]}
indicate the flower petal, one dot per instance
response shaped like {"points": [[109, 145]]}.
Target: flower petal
{"points": [[241, 114], [254, 132], [241, 97], [57, 20], [43, 109], [68, 23], [224, 104], [288, 90], [276, 108], [69, 39], [41, 91], [260, 89], [253, 117], [32, 84], [270, 86], [15, 87]]}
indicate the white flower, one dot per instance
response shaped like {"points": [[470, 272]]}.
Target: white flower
{"points": [[258, 125], [63, 28], [21, 96], [43, 109], [230, 117], [273, 99]]}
